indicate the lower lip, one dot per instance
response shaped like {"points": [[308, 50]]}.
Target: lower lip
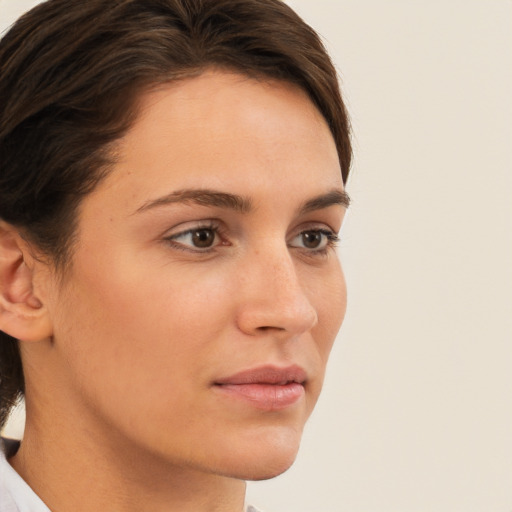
{"points": [[268, 397]]}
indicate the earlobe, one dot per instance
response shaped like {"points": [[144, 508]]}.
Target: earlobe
{"points": [[22, 313]]}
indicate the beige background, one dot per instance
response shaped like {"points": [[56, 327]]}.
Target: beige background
{"points": [[416, 414]]}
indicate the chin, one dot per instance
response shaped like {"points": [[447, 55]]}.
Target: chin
{"points": [[271, 470], [264, 468], [265, 456]]}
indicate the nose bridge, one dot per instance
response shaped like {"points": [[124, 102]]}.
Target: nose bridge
{"points": [[275, 297]]}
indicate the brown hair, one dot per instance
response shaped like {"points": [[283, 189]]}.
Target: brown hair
{"points": [[70, 73]]}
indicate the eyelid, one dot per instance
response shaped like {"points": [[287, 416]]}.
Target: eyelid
{"points": [[190, 227], [315, 226], [330, 242]]}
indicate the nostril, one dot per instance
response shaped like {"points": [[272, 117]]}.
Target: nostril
{"points": [[265, 328]]}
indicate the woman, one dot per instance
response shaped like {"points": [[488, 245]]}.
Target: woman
{"points": [[171, 185]]}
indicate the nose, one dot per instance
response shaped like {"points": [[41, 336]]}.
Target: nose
{"points": [[273, 298]]}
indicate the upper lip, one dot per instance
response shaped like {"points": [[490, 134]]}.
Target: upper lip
{"points": [[266, 375]]}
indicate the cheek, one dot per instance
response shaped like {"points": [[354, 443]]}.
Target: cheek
{"points": [[331, 305], [141, 328]]}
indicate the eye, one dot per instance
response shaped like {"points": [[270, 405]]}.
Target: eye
{"points": [[197, 238], [202, 238], [316, 240]]}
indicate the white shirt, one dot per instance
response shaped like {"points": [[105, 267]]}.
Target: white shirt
{"points": [[15, 493], [17, 496]]}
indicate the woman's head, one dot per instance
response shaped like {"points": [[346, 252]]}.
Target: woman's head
{"points": [[156, 150]]}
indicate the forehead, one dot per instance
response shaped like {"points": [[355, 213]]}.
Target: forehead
{"points": [[224, 130], [216, 102]]}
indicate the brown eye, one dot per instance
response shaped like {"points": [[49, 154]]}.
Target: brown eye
{"points": [[312, 239], [203, 238], [315, 240], [198, 239]]}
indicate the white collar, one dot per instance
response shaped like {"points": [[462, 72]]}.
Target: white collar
{"points": [[15, 494]]}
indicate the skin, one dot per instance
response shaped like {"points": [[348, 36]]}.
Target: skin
{"points": [[145, 322]]}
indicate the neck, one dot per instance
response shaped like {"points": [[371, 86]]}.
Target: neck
{"points": [[92, 471]]}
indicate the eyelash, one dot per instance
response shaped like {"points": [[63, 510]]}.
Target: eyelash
{"points": [[332, 239], [211, 226], [331, 242]]}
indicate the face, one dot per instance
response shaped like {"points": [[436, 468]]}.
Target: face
{"points": [[205, 293]]}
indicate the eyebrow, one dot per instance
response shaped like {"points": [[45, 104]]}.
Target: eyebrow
{"points": [[203, 197], [332, 198], [207, 197]]}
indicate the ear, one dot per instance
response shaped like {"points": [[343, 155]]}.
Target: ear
{"points": [[22, 314]]}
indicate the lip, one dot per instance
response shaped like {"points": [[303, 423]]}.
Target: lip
{"points": [[268, 388]]}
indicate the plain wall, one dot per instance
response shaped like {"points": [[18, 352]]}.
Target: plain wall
{"points": [[416, 412]]}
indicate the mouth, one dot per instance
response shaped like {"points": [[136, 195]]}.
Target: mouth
{"points": [[266, 388]]}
